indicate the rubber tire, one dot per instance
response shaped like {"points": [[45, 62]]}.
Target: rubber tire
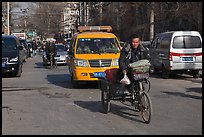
{"points": [[146, 120], [18, 73], [196, 73], [105, 102], [73, 82], [165, 73], [147, 82]]}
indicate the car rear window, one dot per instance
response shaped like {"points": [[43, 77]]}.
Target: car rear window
{"points": [[186, 42]]}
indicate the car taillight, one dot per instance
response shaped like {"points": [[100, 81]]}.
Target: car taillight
{"points": [[170, 56]]}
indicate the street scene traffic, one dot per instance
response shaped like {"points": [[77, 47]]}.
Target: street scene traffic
{"points": [[68, 68]]}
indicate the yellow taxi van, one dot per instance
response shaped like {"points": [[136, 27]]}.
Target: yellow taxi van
{"points": [[93, 49]]}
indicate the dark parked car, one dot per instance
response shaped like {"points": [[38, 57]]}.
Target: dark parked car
{"points": [[12, 55]]}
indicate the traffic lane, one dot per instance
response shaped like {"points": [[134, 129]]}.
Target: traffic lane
{"points": [[41, 102], [82, 108], [45, 112], [177, 104], [49, 105]]}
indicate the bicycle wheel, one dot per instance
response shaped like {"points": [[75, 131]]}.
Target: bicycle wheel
{"points": [[105, 102], [145, 107], [146, 85]]}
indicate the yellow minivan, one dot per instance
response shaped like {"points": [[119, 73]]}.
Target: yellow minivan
{"points": [[93, 49]]}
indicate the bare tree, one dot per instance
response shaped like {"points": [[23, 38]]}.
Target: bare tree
{"points": [[47, 17], [12, 6]]}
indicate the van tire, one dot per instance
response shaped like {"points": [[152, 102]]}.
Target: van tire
{"points": [[18, 74], [165, 72], [74, 83], [196, 74]]}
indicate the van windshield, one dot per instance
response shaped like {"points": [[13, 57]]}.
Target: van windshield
{"points": [[8, 44], [97, 46], [186, 42]]}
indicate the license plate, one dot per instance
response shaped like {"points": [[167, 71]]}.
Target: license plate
{"points": [[3, 65], [187, 59], [99, 74]]}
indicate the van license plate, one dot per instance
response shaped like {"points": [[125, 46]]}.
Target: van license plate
{"points": [[187, 59], [99, 74], [3, 65]]}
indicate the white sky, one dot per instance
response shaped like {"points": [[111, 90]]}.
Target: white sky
{"points": [[23, 5]]}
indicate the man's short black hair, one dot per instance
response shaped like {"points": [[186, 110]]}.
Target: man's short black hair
{"points": [[134, 36]]}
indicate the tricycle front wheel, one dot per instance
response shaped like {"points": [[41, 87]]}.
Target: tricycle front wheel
{"points": [[145, 107]]}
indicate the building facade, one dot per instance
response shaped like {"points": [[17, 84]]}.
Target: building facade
{"points": [[71, 15]]}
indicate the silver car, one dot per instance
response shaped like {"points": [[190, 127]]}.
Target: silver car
{"points": [[61, 56]]}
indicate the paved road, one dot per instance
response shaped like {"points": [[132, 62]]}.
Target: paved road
{"points": [[42, 102]]}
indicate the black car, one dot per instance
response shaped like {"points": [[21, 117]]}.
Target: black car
{"points": [[12, 55]]}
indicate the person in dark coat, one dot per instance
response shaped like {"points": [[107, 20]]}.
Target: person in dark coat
{"points": [[34, 47], [51, 49], [131, 53]]}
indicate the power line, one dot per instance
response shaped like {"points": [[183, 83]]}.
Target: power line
{"points": [[18, 13]]}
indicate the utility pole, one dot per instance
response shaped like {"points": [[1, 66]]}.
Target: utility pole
{"points": [[85, 13], [117, 20], [101, 12], [8, 21], [25, 11], [152, 21]]}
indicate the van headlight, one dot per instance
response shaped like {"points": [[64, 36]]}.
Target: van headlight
{"points": [[14, 59], [81, 63], [115, 62]]}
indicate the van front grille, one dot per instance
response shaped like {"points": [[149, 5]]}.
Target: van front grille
{"points": [[100, 63]]}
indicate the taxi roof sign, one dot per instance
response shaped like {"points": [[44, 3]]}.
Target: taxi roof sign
{"points": [[94, 28]]}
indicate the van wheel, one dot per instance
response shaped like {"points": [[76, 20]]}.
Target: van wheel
{"points": [[165, 73], [73, 82], [196, 74], [18, 74]]}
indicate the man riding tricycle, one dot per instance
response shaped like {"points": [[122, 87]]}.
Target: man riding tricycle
{"points": [[130, 82]]}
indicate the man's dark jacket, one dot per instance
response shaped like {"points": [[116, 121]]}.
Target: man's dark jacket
{"points": [[129, 55]]}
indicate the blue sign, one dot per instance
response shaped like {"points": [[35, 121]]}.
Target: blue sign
{"points": [[3, 65]]}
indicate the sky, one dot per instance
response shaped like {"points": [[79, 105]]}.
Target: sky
{"points": [[23, 5]]}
